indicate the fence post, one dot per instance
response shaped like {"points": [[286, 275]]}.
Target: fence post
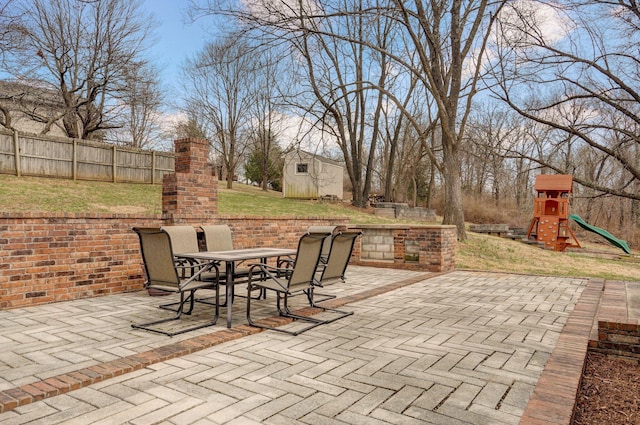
{"points": [[115, 163], [153, 167], [74, 162], [16, 148]]}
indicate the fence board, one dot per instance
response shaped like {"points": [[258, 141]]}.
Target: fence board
{"points": [[7, 154]]}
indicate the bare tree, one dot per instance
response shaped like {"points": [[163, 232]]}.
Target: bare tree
{"points": [[81, 51], [10, 34], [337, 73], [266, 123], [191, 126], [406, 167], [142, 99], [450, 39], [444, 47], [219, 92], [491, 134], [10, 39], [581, 81]]}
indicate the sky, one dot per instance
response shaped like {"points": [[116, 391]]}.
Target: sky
{"points": [[175, 40]]}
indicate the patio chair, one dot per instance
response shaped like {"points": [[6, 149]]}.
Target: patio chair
{"points": [[164, 275], [326, 246], [184, 239], [218, 237], [290, 281], [333, 270]]}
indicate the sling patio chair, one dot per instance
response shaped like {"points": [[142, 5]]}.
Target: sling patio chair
{"points": [[290, 281], [184, 239], [164, 275], [218, 237], [334, 269], [326, 246]]}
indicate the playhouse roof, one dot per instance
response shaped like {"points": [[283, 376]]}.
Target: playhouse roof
{"points": [[554, 182]]}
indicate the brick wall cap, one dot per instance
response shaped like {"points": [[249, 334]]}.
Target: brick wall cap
{"points": [[401, 226], [66, 215]]}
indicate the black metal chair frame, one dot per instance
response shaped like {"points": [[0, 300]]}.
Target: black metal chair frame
{"points": [[163, 275], [291, 281], [334, 266]]}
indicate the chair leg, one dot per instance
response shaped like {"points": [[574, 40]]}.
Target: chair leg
{"points": [[313, 322], [286, 312], [190, 298], [341, 313], [283, 310], [205, 300], [311, 296]]}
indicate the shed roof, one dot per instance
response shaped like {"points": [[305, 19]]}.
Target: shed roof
{"points": [[300, 154]]}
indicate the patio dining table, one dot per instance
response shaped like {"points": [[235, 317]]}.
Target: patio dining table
{"points": [[230, 258]]}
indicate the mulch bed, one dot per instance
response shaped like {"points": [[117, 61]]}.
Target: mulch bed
{"points": [[609, 392]]}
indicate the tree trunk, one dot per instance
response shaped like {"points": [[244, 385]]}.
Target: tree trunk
{"points": [[453, 212]]}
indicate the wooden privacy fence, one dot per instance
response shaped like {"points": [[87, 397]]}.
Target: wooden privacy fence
{"points": [[29, 155]]}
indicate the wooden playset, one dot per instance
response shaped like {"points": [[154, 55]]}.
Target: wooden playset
{"points": [[550, 223]]}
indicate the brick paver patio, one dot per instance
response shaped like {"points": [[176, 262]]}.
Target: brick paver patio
{"points": [[456, 348]]}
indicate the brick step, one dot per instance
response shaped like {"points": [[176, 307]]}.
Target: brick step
{"points": [[618, 338], [616, 328]]}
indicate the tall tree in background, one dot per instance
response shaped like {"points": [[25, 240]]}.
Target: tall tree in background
{"points": [[218, 87], [142, 99], [8, 36], [444, 46], [582, 82], [450, 39], [266, 122], [81, 51], [11, 38], [336, 73]]}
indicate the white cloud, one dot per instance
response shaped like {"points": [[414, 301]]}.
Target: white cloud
{"points": [[284, 13], [295, 130], [528, 22]]}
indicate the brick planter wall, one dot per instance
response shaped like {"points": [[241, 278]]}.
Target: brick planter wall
{"points": [[385, 245]]}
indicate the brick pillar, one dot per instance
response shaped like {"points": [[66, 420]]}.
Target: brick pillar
{"points": [[190, 195]]}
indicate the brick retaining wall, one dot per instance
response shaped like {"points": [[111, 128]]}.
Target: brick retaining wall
{"points": [[50, 257], [59, 257]]}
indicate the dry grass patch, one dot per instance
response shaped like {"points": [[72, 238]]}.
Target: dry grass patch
{"points": [[483, 252]]}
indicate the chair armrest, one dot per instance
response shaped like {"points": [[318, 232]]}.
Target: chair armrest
{"points": [[185, 266], [285, 262], [203, 267], [267, 272]]}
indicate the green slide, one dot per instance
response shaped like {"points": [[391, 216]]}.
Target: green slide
{"points": [[608, 236]]}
